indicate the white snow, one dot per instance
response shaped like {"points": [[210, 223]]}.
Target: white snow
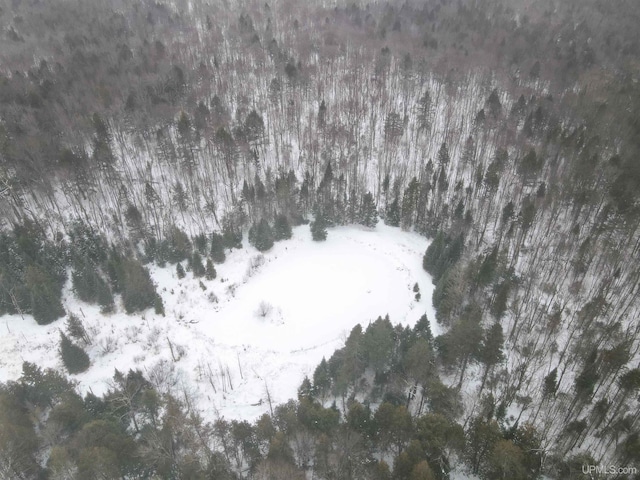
{"points": [[318, 293]]}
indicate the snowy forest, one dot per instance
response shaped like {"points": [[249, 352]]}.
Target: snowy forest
{"points": [[147, 138]]}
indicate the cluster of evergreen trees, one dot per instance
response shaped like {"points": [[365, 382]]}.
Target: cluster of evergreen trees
{"points": [[295, 108]]}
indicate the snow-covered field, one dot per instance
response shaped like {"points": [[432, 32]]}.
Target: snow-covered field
{"points": [[218, 344]]}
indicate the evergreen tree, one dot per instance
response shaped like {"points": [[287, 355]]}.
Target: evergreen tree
{"points": [[179, 245], [231, 236], [217, 248], [322, 113], [491, 353], [442, 254], [318, 228], [281, 228], [45, 295], [138, 291], [89, 285], [392, 214], [196, 265], [158, 305], [210, 271], [368, 211], [75, 328], [75, 359], [180, 271], [550, 385], [443, 156], [493, 102], [409, 203], [104, 297], [200, 243], [261, 235]]}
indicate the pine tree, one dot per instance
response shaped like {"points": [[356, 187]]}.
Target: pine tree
{"points": [[368, 212], [491, 353], [261, 235], [180, 270], [179, 245], [210, 272], [318, 228], [75, 328], [392, 215], [281, 228], [138, 291], [196, 265], [550, 385], [45, 295], [409, 203], [231, 236], [493, 102], [75, 359], [104, 297], [217, 248], [443, 156], [158, 305]]}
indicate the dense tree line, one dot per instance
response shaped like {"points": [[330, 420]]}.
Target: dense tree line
{"points": [[174, 129]]}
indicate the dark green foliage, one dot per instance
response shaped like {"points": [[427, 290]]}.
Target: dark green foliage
{"points": [[482, 437], [254, 127], [490, 352], [231, 236], [32, 273], [462, 343], [43, 388], [317, 418], [527, 214], [75, 329], [443, 156], [281, 228], [493, 102], [89, 285], [377, 344], [261, 236], [368, 215], [499, 303], [200, 243], [210, 270], [138, 291], [587, 379], [44, 294], [158, 305], [74, 358], [529, 166], [180, 271], [321, 379], [488, 268], [85, 242], [196, 265], [392, 215], [318, 228], [410, 203], [18, 441], [550, 385], [179, 245], [217, 248], [422, 329], [393, 425], [442, 253], [348, 363]]}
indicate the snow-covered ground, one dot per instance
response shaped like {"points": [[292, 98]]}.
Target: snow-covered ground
{"points": [[217, 346]]}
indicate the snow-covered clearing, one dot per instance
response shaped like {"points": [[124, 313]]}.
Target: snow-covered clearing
{"points": [[227, 353]]}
